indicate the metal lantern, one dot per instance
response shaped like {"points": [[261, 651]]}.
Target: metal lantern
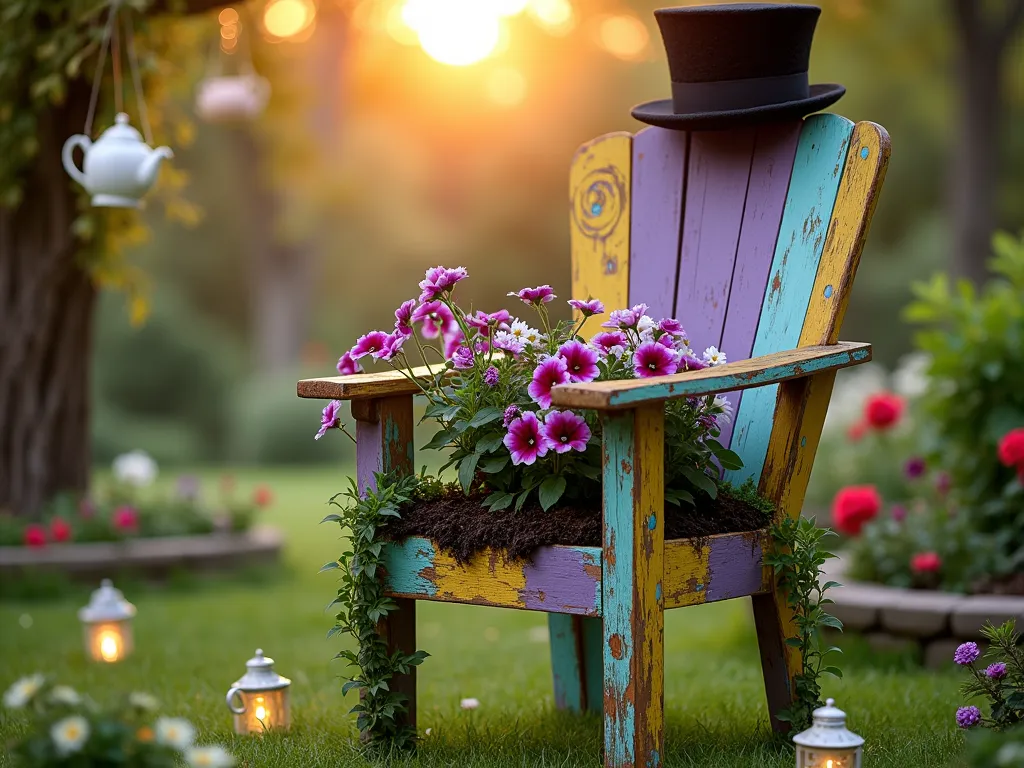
{"points": [[263, 695], [828, 743], [107, 621]]}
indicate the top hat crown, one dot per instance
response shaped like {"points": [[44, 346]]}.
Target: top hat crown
{"points": [[736, 65]]}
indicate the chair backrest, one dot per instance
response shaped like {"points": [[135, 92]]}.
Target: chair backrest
{"points": [[750, 237]]}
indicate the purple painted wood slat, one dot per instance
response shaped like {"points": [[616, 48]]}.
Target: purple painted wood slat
{"points": [[774, 150], [659, 164], [716, 189]]}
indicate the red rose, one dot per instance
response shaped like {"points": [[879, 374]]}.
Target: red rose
{"points": [[1011, 448], [126, 519], [59, 529], [263, 496], [853, 506], [884, 409], [925, 562], [856, 431], [35, 536]]}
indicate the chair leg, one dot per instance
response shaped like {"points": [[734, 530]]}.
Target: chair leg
{"points": [[576, 666], [399, 632], [779, 662]]}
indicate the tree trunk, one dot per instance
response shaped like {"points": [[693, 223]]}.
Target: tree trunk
{"points": [[46, 310]]}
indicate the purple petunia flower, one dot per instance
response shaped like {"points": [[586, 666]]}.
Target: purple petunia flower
{"points": [[436, 318], [524, 440], [403, 317], [510, 415], [483, 322], [452, 341], [372, 342], [509, 343], [330, 418], [687, 362], [968, 717], [652, 359], [481, 347], [392, 346], [440, 279], [462, 358], [671, 326], [565, 431], [624, 318], [546, 375], [492, 376], [610, 342], [580, 361], [587, 308], [915, 467], [996, 671], [966, 653], [542, 294], [347, 365]]}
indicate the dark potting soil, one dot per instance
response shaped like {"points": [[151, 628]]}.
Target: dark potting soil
{"points": [[460, 525]]}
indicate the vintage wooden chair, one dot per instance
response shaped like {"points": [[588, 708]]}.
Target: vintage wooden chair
{"points": [[751, 237]]}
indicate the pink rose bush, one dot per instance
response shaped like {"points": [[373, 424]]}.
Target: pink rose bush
{"points": [[491, 395]]}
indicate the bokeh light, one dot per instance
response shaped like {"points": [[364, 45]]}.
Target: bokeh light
{"points": [[623, 36], [287, 18], [555, 16], [506, 87], [398, 26], [228, 16], [509, 7], [455, 32]]}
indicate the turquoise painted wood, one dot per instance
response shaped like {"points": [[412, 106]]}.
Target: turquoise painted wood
{"points": [[576, 662], [817, 170]]}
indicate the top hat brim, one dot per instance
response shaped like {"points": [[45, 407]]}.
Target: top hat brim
{"points": [[660, 113]]}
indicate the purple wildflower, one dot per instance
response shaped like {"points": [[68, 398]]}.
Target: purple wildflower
{"points": [[463, 358], [565, 431], [492, 376], [483, 322], [509, 343], [392, 346], [452, 341], [542, 294], [481, 347], [587, 308], [369, 344], [915, 467], [652, 359], [687, 362], [546, 375], [347, 365], [968, 717], [580, 361], [996, 671], [625, 318], [610, 342], [966, 653], [898, 512], [438, 280], [524, 440], [330, 418], [436, 319], [511, 414], [671, 326], [403, 317]]}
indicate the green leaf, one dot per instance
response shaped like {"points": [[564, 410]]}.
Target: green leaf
{"points": [[834, 671], [440, 439], [551, 491], [329, 566], [331, 519], [729, 459], [467, 471], [494, 463], [522, 499], [700, 480], [828, 620], [499, 501], [490, 444], [486, 416]]}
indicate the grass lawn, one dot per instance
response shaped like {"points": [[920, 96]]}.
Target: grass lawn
{"points": [[193, 638]]}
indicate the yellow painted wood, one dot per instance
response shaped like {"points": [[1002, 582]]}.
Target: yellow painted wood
{"points": [[599, 190], [486, 579], [687, 572], [360, 385]]}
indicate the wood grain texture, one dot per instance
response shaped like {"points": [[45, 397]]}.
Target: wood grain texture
{"points": [[556, 580], [364, 385], [720, 568], [659, 169], [576, 662], [744, 374], [634, 543], [814, 184], [599, 222]]}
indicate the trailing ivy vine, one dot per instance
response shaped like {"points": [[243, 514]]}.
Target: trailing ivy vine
{"points": [[797, 556], [362, 604]]}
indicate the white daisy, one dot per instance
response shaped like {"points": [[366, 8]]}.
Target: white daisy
{"points": [[143, 701], [209, 757], [470, 704], [713, 357], [135, 468], [69, 734], [174, 732], [21, 693], [724, 410], [524, 332], [64, 694]]}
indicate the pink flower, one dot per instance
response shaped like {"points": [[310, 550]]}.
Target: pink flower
{"points": [[347, 365], [462, 358], [652, 359], [625, 318], [492, 376], [126, 519], [403, 317], [565, 431], [898, 513], [671, 326], [542, 294], [86, 509], [392, 346], [610, 342], [452, 341], [690, 363], [587, 308], [509, 343], [34, 536], [546, 375], [368, 344], [925, 562], [436, 319], [580, 361], [59, 529], [330, 418], [484, 322], [524, 440], [438, 280], [510, 415]]}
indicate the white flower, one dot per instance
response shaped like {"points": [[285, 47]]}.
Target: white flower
{"points": [[910, 378], [69, 734], [63, 694], [21, 693], [469, 703], [645, 326], [713, 357], [174, 732], [524, 332], [724, 408], [209, 757], [427, 731], [135, 468], [143, 701]]}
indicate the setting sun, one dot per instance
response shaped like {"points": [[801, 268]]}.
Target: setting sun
{"points": [[455, 32], [287, 18]]}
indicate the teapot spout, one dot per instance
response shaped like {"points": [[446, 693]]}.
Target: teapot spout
{"points": [[151, 165]]}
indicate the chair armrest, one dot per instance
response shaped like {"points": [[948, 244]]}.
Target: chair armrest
{"points": [[743, 374], [359, 386]]}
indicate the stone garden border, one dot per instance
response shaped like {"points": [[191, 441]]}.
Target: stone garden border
{"points": [[154, 556], [935, 622]]}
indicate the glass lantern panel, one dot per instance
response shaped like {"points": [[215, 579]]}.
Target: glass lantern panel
{"points": [[817, 757], [109, 641], [263, 710]]}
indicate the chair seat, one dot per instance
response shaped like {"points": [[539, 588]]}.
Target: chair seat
{"points": [[567, 579]]}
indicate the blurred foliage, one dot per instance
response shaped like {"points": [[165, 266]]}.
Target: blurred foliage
{"points": [[987, 748]]}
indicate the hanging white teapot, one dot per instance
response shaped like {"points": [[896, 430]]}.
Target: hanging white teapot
{"points": [[119, 167]]}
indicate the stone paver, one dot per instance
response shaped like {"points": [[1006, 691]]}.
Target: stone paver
{"points": [[971, 615], [919, 614]]}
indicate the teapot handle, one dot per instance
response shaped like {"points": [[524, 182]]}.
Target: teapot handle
{"points": [[67, 156], [231, 701]]}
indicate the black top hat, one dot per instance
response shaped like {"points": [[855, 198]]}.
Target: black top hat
{"points": [[734, 65]]}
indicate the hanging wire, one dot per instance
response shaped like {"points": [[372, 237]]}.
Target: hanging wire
{"points": [[133, 65], [98, 76], [115, 56]]}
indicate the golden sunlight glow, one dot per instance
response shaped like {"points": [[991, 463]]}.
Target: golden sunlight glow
{"points": [[228, 16], [455, 32], [110, 646], [398, 26], [506, 87], [287, 18], [229, 31], [555, 16], [509, 7], [623, 36]]}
